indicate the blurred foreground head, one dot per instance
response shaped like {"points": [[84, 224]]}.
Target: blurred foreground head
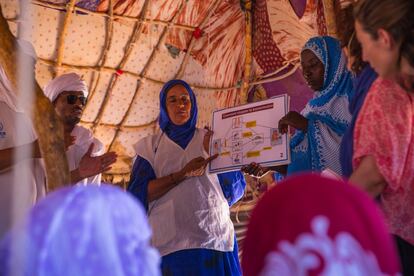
{"points": [[310, 225], [82, 230]]}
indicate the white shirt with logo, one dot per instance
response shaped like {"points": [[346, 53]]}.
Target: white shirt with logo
{"points": [[24, 183]]}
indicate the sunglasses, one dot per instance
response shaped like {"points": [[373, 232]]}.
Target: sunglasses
{"points": [[72, 99]]}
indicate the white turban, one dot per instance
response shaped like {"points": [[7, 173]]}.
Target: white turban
{"points": [[66, 82], [6, 92]]}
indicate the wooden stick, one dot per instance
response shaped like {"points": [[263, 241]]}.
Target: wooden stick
{"points": [[328, 8], [128, 73], [279, 77], [183, 64], [144, 72], [130, 45], [61, 43], [248, 52], [47, 125], [104, 56], [116, 17], [126, 127]]}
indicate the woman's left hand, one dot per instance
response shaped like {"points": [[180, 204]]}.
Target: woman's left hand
{"points": [[293, 119]]}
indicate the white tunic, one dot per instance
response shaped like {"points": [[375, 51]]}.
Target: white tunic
{"points": [[193, 214], [75, 152], [16, 194]]}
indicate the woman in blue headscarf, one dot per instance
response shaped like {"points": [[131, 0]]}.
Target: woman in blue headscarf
{"points": [[188, 208], [322, 123]]}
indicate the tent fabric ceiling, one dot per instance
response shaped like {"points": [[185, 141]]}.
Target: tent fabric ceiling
{"points": [[126, 50]]}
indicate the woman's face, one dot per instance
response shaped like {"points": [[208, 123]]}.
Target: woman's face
{"points": [[381, 53], [313, 70], [178, 105]]}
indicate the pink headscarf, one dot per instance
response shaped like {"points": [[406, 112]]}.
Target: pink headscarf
{"points": [[310, 225]]}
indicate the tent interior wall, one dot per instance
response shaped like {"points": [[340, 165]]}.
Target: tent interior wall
{"points": [[127, 49]]}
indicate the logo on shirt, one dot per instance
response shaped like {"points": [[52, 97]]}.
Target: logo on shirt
{"points": [[2, 132]]}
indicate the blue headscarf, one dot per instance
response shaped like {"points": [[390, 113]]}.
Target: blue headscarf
{"points": [[182, 134], [329, 106], [337, 79]]}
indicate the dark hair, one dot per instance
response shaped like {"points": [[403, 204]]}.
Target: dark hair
{"points": [[394, 16], [407, 48], [347, 37]]}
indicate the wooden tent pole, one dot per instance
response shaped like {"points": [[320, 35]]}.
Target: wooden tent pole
{"points": [[104, 56], [328, 7], [128, 73], [48, 127], [183, 64], [143, 73], [61, 42], [116, 17], [128, 50], [248, 51]]}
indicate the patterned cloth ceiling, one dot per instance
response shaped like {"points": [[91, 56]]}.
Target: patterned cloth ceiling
{"points": [[126, 50]]}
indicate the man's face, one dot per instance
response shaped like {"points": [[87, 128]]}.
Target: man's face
{"points": [[69, 106]]}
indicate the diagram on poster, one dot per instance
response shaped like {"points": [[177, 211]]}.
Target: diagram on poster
{"points": [[249, 133]]}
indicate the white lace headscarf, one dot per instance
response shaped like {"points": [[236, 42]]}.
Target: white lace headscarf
{"points": [[83, 230]]}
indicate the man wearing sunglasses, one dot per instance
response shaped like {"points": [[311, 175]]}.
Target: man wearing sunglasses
{"points": [[86, 159]]}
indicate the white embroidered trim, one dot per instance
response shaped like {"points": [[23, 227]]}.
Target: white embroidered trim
{"points": [[340, 256]]}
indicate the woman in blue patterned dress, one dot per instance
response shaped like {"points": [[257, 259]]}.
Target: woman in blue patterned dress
{"points": [[322, 123]]}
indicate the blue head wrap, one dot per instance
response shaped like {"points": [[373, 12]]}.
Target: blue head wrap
{"points": [[182, 134], [336, 80]]}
